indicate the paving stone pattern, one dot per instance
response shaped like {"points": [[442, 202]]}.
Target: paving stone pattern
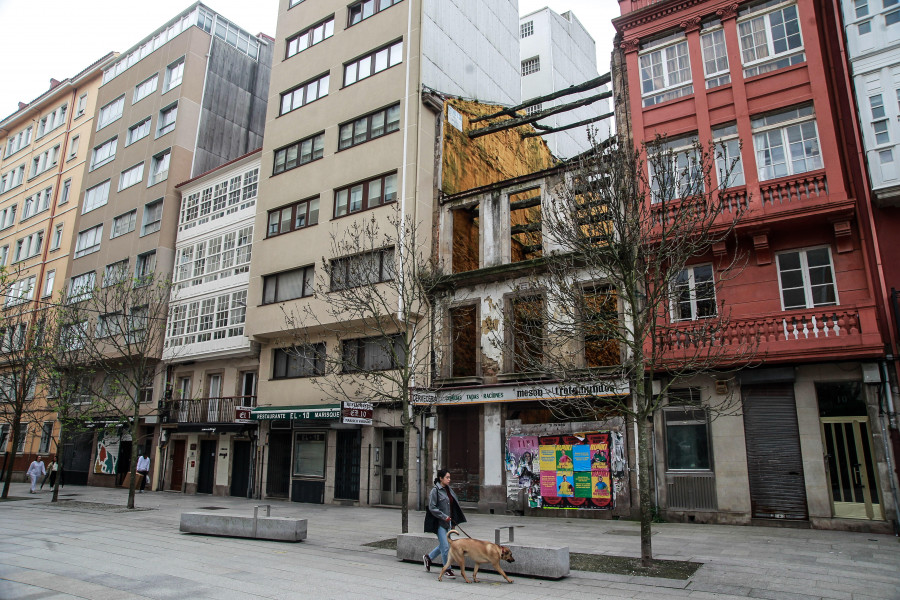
{"points": [[79, 551]]}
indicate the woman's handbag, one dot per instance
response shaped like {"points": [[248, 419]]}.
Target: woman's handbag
{"points": [[431, 522]]}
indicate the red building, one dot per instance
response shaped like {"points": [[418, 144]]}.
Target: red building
{"points": [[765, 82]]}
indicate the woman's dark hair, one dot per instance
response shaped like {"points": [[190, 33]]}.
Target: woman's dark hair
{"points": [[440, 475]]}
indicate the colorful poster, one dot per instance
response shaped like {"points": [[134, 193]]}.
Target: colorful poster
{"points": [[583, 484], [581, 455], [548, 483], [107, 454]]}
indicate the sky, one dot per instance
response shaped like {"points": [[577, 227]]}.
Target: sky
{"points": [[41, 45]]}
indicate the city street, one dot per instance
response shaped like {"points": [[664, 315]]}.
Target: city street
{"points": [[90, 546]]}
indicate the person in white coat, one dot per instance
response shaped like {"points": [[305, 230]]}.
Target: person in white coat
{"points": [[35, 470]]}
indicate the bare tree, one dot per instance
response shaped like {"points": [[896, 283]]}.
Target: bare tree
{"points": [[614, 300], [114, 334], [372, 299]]}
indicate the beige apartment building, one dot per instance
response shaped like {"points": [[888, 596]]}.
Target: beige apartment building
{"points": [[44, 146], [351, 135], [185, 99]]}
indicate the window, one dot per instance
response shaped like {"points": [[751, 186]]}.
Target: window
{"points": [[73, 147], [235, 193], [144, 267], [299, 153], [145, 88], [861, 8], [95, 197], [310, 37], [12, 178], [159, 168], [304, 94], [525, 225], [362, 269], [43, 161], [372, 63], [288, 285], [534, 108], [299, 361], [675, 169], [365, 195], [123, 224], [166, 120], [879, 122], [213, 259], [29, 246], [293, 217], [373, 354], [215, 318], [891, 18], [666, 71], [88, 241], [81, 106], [64, 195], [36, 203], [4, 438], [138, 131], [729, 168], [82, 287], [4, 255], [368, 127], [526, 29], [174, 73], [49, 279], [360, 11], [600, 313], [786, 143], [531, 65], [694, 294], [464, 341], [309, 454], [687, 438], [104, 153], [806, 278], [115, 273], [715, 58], [770, 41], [864, 28], [18, 141], [527, 333], [21, 291], [8, 216], [152, 217], [52, 121], [132, 176], [108, 325], [57, 237], [23, 433], [111, 112]]}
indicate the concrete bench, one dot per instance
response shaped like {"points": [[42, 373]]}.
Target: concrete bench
{"points": [[261, 528], [548, 562]]}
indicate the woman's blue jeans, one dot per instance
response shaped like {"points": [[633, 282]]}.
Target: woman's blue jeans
{"points": [[443, 547]]}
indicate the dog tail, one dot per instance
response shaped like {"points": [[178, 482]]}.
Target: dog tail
{"points": [[451, 533]]}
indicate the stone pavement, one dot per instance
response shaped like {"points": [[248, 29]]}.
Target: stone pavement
{"points": [[103, 553]]}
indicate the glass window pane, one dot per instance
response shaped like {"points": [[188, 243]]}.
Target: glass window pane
{"points": [[365, 67], [687, 446], [374, 198], [356, 194], [300, 221], [313, 211], [377, 124], [381, 60]]}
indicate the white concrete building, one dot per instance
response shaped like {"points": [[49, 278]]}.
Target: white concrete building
{"points": [[557, 52]]}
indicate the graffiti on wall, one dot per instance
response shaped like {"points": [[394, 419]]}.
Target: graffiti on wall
{"points": [[107, 454]]}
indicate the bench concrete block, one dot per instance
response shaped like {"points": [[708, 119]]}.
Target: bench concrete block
{"points": [[549, 562], [267, 528]]}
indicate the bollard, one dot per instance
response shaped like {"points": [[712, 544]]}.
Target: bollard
{"points": [[268, 508], [511, 534]]}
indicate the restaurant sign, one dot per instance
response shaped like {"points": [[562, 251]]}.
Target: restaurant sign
{"points": [[295, 413]]}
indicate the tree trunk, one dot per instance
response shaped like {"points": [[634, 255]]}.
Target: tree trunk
{"points": [[11, 457], [135, 429], [644, 479], [60, 452]]}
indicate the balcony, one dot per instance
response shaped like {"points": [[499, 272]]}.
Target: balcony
{"points": [[205, 410], [825, 333]]}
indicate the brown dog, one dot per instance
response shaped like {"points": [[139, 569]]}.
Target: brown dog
{"points": [[480, 552]]}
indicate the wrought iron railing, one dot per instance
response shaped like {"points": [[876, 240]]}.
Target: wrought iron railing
{"points": [[205, 410]]}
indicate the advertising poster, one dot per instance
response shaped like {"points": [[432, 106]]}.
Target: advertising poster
{"points": [[581, 476], [107, 454], [523, 467]]}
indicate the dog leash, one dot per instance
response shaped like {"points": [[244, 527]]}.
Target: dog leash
{"points": [[458, 528]]}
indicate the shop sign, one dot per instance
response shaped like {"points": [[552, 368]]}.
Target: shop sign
{"points": [[507, 393], [357, 413], [295, 413], [242, 414]]}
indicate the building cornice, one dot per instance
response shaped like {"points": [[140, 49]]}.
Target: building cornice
{"points": [[654, 12]]}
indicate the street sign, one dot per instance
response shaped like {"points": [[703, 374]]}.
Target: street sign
{"points": [[242, 414], [357, 413]]}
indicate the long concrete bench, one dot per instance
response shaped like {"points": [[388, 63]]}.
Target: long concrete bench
{"points": [[256, 527], [549, 562]]}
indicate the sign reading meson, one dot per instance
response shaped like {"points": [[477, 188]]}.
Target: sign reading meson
{"points": [[357, 413]]}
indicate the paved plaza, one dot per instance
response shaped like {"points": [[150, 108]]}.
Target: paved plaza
{"points": [[79, 550]]}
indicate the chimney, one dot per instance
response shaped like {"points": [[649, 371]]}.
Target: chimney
{"points": [[22, 105], [53, 83]]}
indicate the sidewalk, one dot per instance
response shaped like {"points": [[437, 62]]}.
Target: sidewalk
{"points": [[107, 552]]}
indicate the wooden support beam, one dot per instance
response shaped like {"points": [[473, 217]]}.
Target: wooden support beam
{"points": [[572, 89], [547, 130], [526, 203], [512, 123]]}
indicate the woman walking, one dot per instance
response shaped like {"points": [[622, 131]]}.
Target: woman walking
{"points": [[443, 512]]}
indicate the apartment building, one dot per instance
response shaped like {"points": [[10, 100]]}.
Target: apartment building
{"points": [[769, 74], [44, 146], [557, 52], [214, 365], [185, 99], [350, 136]]}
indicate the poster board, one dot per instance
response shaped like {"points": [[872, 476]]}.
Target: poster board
{"points": [[107, 454]]}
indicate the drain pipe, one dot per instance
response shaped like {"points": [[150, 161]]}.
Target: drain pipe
{"points": [[884, 441]]}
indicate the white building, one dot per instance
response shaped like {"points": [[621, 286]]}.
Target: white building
{"points": [[873, 44], [557, 52]]}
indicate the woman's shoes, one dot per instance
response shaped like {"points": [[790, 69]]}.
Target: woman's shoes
{"points": [[427, 562]]}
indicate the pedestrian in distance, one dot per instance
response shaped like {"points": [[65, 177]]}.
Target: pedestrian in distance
{"points": [[443, 511], [35, 470], [143, 468], [51, 475]]}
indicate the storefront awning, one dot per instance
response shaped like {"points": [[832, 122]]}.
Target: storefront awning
{"points": [[294, 413]]}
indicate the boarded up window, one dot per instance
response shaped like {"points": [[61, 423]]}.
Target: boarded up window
{"points": [[525, 225], [527, 333], [465, 239], [464, 342]]}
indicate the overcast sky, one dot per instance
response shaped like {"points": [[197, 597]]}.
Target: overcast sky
{"points": [[65, 36]]}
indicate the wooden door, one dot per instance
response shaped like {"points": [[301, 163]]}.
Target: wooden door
{"points": [[177, 482]]}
